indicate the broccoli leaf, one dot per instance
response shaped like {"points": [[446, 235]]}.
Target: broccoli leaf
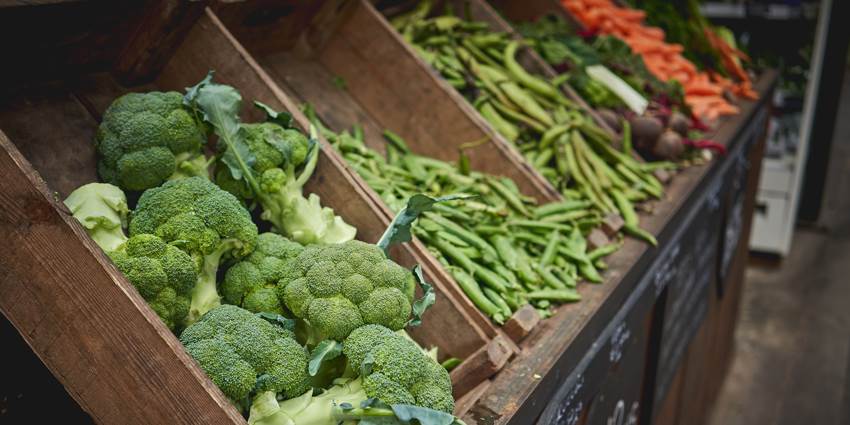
{"points": [[399, 229], [283, 119], [324, 351], [375, 412], [278, 320], [192, 92], [428, 298], [424, 416], [220, 105]]}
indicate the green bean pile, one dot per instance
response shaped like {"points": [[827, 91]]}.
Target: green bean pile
{"points": [[553, 133], [502, 249]]}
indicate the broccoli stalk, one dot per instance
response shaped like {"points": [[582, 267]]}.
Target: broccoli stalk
{"points": [[203, 220], [102, 210], [205, 295], [191, 164], [278, 190], [345, 401], [305, 220]]}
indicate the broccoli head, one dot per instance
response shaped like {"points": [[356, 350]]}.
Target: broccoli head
{"points": [[102, 209], [392, 370], [163, 275], [396, 371], [267, 157], [339, 287], [201, 219], [273, 147], [145, 138], [245, 354], [252, 282]]}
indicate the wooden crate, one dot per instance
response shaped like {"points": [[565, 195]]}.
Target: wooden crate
{"points": [[84, 320], [386, 86], [282, 37]]}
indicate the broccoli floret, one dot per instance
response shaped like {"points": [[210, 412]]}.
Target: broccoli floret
{"points": [[393, 370], [163, 275], [102, 209], [146, 138], [266, 157], [244, 354], [252, 282], [396, 370], [203, 220], [279, 152], [273, 147], [338, 288]]}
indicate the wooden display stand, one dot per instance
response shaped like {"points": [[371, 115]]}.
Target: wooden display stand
{"points": [[650, 344]]}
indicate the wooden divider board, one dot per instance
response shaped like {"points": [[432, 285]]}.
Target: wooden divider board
{"points": [[79, 314]]}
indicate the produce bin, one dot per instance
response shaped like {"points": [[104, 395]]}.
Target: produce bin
{"points": [[354, 69], [85, 321]]}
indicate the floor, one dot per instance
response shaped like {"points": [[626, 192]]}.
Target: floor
{"points": [[793, 338]]}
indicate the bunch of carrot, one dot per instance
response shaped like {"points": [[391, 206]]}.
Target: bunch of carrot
{"points": [[703, 91]]}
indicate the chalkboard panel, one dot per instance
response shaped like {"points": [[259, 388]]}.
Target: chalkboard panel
{"points": [[609, 375], [736, 186]]}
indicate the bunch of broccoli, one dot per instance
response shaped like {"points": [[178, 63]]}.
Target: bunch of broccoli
{"points": [[148, 138], [295, 328]]}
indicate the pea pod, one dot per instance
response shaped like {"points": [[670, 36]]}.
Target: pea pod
{"points": [[472, 290], [501, 125], [516, 70], [561, 295]]}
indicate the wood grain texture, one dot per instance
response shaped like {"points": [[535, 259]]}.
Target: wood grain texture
{"points": [[84, 320], [160, 30], [400, 90], [521, 323], [570, 328]]}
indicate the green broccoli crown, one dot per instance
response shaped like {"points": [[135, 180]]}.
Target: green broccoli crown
{"points": [[274, 148], [243, 353], [338, 288], [140, 137], [252, 282], [198, 216], [163, 275], [396, 371]]}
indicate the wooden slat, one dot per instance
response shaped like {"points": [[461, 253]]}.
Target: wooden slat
{"points": [[85, 321], [401, 91], [160, 30]]}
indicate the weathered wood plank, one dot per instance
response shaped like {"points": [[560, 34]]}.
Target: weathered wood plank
{"points": [[160, 30], [99, 337]]}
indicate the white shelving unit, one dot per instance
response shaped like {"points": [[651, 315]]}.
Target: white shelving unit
{"points": [[781, 178]]}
